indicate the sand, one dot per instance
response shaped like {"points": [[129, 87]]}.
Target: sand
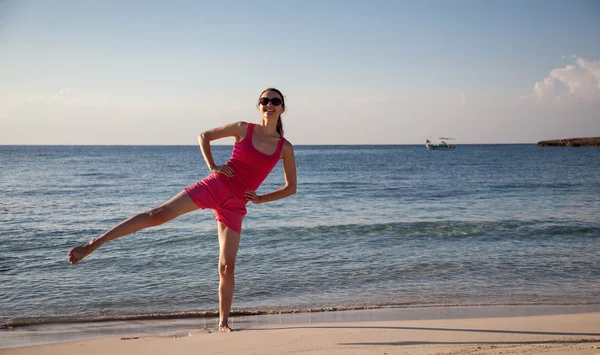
{"points": [[577, 333]]}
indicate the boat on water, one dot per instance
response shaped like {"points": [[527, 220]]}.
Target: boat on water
{"points": [[440, 146]]}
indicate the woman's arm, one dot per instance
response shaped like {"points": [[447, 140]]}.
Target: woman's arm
{"points": [[236, 129], [289, 171]]}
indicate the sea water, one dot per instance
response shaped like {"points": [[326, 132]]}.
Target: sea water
{"points": [[369, 226]]}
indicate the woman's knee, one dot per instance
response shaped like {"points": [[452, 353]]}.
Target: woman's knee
{"points": [[226, 269]]}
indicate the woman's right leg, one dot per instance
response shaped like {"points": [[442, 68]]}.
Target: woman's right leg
{"points": [[176, 206], [229, 242]]}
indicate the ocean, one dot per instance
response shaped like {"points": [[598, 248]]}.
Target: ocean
{"points": [[370, 226]]}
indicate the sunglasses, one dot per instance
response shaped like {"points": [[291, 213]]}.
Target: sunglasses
{"points": [[265, 101]]}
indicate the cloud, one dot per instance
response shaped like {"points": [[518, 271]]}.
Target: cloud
{"points": [[63, 100], [463, 100], [573, 83], [62, 95]]}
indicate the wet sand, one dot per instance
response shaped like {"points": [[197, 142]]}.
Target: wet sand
{"points": [[425, 330]]}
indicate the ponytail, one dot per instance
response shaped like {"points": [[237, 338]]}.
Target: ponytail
{"points": [[279, 126]]}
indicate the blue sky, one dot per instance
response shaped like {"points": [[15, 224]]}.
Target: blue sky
{"points": [[353, 72]]}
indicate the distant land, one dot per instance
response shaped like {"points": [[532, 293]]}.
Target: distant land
{"points": [[571, 142]]}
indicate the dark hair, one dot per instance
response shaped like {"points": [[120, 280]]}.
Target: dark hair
{"points": [[279, 124]]}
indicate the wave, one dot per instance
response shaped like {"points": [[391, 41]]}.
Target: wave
{"points": [[511, 229], [108, 175], [200, 314], [533, 185]]}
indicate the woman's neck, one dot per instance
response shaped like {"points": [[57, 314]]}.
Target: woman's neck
{"points": [[269, 128]]}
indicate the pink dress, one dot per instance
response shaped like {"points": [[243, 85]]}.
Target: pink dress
{"points": [[225, 195]]}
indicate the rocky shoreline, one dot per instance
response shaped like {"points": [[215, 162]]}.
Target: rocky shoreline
{"points": [[571, 142]]}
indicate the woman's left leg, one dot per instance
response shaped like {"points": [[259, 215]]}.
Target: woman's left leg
{"points": [[229, 242]]}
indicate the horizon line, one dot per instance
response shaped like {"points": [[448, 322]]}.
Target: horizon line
{"points": [[226, 145]]}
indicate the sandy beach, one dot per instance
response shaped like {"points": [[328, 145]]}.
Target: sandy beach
{"points": [[574, 333]]}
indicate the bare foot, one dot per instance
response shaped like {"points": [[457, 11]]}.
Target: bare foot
{"points": [[79, 252], [223, 327]]}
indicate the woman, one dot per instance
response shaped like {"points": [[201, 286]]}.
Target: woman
{"points": [[228, 188]]}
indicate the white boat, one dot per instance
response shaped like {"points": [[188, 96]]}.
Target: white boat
{"points": [[440, 146]]}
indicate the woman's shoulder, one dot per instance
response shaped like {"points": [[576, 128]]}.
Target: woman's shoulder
{"points": [[287, 147], [241, 124], [242, 127], [237, 125], [238, 129]]}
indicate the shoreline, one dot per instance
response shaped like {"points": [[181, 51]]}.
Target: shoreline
{"points": [[26, 337], [571, 142], [248, 312]]}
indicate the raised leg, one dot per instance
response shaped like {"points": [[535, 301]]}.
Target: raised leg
{"points": [[176, 206], [229, 242]]}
